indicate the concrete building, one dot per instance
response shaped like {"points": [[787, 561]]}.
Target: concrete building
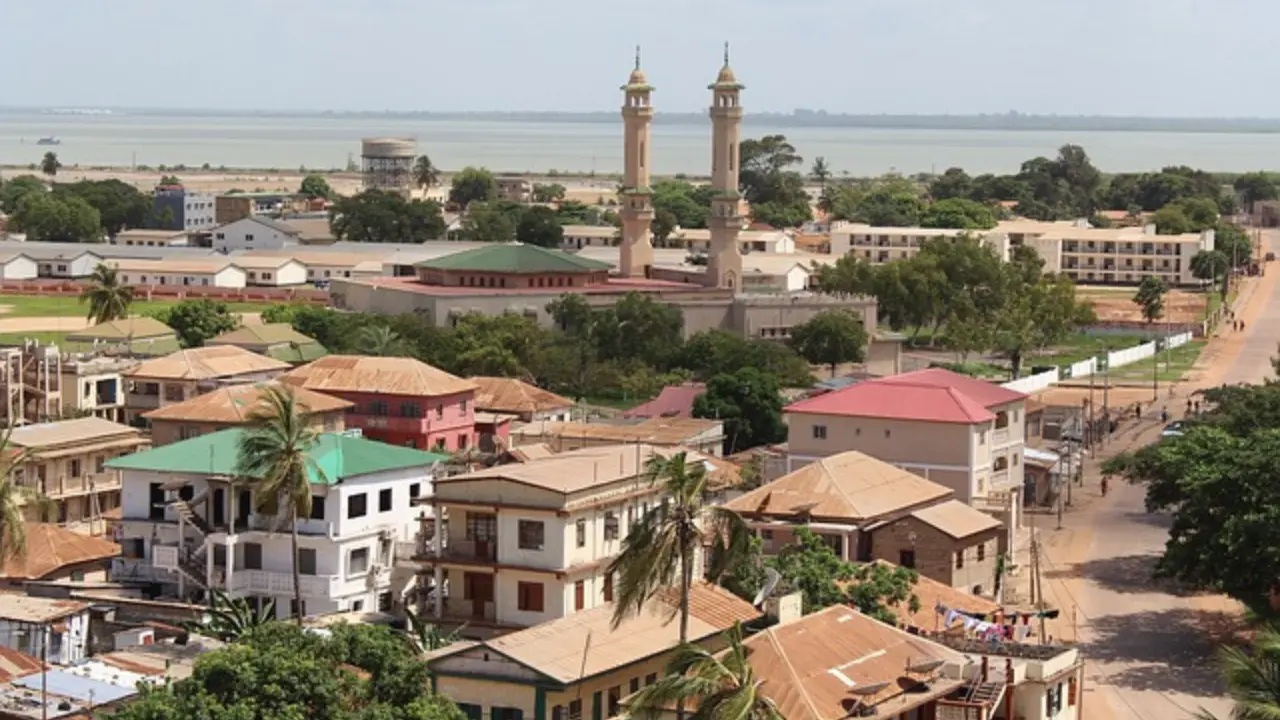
{"points": [[31, 383], [528, 543], [230, 407], [45, 627], [272, 271], [17, 266], [325, 265], [230, 208], [704, 435], [400, 401], [56, 554], [187, 373], [188, 211], [62, 262], [778, 242], [255, 232], [211, 272], [514, 188], [960, 432], [151, 238], [527, 403], [65, 461], [192, 525], [573, 666]]}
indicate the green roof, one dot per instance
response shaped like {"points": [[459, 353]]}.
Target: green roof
{"points": [[297, 353], [514, 258], [275, 340], [124, 328], [339, 456]]}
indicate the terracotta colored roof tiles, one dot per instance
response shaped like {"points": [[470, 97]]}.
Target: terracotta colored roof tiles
{"points": [[50, 548], [387, 375]]}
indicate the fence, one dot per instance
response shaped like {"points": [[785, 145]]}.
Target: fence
{"points": [[1085, 368], [174, 292]]}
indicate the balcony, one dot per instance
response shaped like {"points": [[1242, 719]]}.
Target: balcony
{"points": [[164, 557], [462, 551], [263, 582], [1000, 436], [142, 402], [93, 482], [138, 570], [387, 422]]}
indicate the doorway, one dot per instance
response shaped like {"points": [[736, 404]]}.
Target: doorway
{"points": [[478, 589]]}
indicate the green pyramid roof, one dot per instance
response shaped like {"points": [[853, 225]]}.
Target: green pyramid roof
{"points": [[514, 258]]}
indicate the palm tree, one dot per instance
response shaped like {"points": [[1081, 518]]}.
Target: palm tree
{"points": [[108, 299], [13, 497], [427, 636], [658, 551], [425, 173], [227, 619], [274, 450], [723, 685], [49, 164], [1253, 678], [381, 341]]}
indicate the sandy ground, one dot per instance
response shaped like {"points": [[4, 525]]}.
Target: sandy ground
{"points": [[584, 190], [1179, 306], [70, 324], [1150, 646]]}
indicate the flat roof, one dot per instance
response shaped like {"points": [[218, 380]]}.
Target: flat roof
{"points": [[37, 610], [63, 432]]}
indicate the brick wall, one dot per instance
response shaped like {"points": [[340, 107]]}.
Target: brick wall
{"points": [[935, 553]]}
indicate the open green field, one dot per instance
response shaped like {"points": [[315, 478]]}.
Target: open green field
{"points": [[66, 306], [1082, 347]]}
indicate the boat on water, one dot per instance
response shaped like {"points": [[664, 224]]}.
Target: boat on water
{"points": [[49, 141]]}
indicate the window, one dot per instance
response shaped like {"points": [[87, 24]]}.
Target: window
{"points": [[529, 597], [614, 695], [960, 560], [982, 551], [358, 561], [1053, 700], [608, 587], [463, 439], [819, 432], [634, 687], [252, 556], [357, 605], [173, 392], [766, 535], [610, 526], [74, 468], [982, 438], [317, 507], [411, 410], [384, 602], [575, 710], [481, 527], [1002, 420], [579, 594], [357, 506], [473, 712], [378, 407], [650, 679], [907, 558], [306, 561], [415, 490], [463, 406], [132, 548], [439, 411], [531, 534], [504, 713], [384, 500], [581, 528], [186, 432]]}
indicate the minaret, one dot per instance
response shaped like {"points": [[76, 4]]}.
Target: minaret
{"points": [[724, 261], [636, 197]]}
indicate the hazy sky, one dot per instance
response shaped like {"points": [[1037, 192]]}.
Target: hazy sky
{"points": [[1113, 57]]}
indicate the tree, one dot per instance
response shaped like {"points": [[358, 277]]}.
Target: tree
{"points": [[750, 405], [1035, 314], [275, 451], [688, 205], [782, 214], [953, 183], [1211, 265], [1150, 298], [315, 186], [538, 226], [13, 191], [375, 216], [425, 174], [227, 618], [1252, 676], [766, 179], [1067, 186], [1234, 244], [50, 165], [13, 497], [107, 298], [381, 341], [1171, 220], [658, 551], [119, 204], [722, 684], [958, 213], [48, 217], [885, 206], [548, 193], [489, 222], [1255, 187], [820, 172], [427, 636], [832, 338], [473, 185], [197, 321]]}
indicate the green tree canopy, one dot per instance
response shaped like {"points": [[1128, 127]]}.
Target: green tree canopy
{"points": [[15, 189], [548, 193], [539, 226], [375, 216], [196, 321], [1257, 186], [425, 173], [119, 204], [315, 186], [1150, 298], [750, 405], [491, 222], [472, 184], [51, 218], [960, 214], [831, 338]]}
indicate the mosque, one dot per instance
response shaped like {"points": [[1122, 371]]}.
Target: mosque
{"points": [[524, 279]]}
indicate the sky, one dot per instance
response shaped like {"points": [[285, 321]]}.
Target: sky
{"points": [[1170, 58]]}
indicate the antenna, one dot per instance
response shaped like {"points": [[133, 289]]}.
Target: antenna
{"points": [[637, 57], [726, 52], [582, 669]]}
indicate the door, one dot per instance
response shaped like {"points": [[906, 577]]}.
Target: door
{"points": [[219, 507], [244, 504], [480, 591]]}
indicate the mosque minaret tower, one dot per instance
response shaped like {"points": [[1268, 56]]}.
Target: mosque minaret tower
{"points": [[724, 261], [637, 197]]}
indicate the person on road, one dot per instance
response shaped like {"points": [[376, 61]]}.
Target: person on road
{"points": [[1189, 406], [1104, 486], [1164, 414]]}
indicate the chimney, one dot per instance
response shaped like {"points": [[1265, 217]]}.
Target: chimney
{"points": [[782, 609]]}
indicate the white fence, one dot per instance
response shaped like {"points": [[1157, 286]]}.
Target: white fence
{"points": [[1085, 368]]}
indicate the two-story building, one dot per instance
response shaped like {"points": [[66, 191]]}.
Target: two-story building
{"points": [[230, 406], [94, 385], [45, 627], [867, 509], [955, 430], [566, 668], [400, 401], [531, 542], [65, 461], [192, 522], [187, 373], [275, 340], [254, 232], [528, 403]]}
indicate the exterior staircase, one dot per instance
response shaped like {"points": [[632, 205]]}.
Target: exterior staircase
{"points": [[988, 693], [192, 561], [188, 514]]}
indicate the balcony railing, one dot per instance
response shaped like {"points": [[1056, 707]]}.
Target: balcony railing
{"points": [[138, 400], [1000, 436], [461, 551], [387, 422], [164, 557], [63, 485], [281, 583]]}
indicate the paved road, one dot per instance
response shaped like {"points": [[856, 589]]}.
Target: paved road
{"points": [[1150, 646]]}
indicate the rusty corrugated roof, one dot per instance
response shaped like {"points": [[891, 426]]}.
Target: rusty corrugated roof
{"points": [[206, 363], [509, 395], [383, 375], [232, 404], [50, 548]]}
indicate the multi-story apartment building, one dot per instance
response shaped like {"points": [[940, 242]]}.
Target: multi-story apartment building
{"points": [[255, 232], [515, 189], [95, 385], [531, 542], [877, 245], [230, 406], [187, 373], [188, 211], [65, 461], [397, 400], [958, 431], [191, 522]]}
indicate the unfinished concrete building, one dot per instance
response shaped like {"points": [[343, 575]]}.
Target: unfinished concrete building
{"points": [[31, 383]]}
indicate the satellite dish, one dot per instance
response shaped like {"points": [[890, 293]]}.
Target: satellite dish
{"points": [[927, 666], [869, 690], [771, 579]]}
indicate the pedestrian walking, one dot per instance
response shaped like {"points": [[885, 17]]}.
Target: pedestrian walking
{"points": [[1197, 407], [1104, 486], [1164, 414], [1189, 406]]}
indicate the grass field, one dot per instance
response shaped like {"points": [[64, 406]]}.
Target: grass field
{"points": [[1180, 360], [1082, 347], [66, 306]]}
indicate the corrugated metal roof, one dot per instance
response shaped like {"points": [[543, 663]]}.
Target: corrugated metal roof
{"points": [[930, 593], [39, 610], [262, 335], [204, 363], [138, 328], [385, 375], [514, 258], [51, 548], [232, 404], [956, 519], [655, 431], [510, 395], [673, 401], [63, 432], [899, 401], [850, 486]]}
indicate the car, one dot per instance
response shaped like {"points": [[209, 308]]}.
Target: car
{"points": [[1173, 429]]}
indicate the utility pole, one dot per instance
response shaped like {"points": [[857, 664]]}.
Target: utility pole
{"points": [[1155, 369], [1036, 584], [44, 672], [1106, 388]]}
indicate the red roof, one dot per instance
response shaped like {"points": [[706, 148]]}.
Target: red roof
{"points": [[933, 395], [673, 401]]}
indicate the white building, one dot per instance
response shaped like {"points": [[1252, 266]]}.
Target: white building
{"points": [[17, 266], [195, 272], [254, 233], [63, 263], [527, 543], [187, 525], [151, 238], [272, 270], [31, 625]]}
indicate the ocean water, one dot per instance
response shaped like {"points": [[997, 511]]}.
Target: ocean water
{"points": [[515, 146]]}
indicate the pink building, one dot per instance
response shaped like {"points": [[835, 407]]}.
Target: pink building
{"points": [[400, 401]]}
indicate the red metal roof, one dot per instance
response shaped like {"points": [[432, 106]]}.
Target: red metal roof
{"points": [[933, 395], [673, 401]]}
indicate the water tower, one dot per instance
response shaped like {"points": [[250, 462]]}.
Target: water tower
{"points": [[387, 163]]}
